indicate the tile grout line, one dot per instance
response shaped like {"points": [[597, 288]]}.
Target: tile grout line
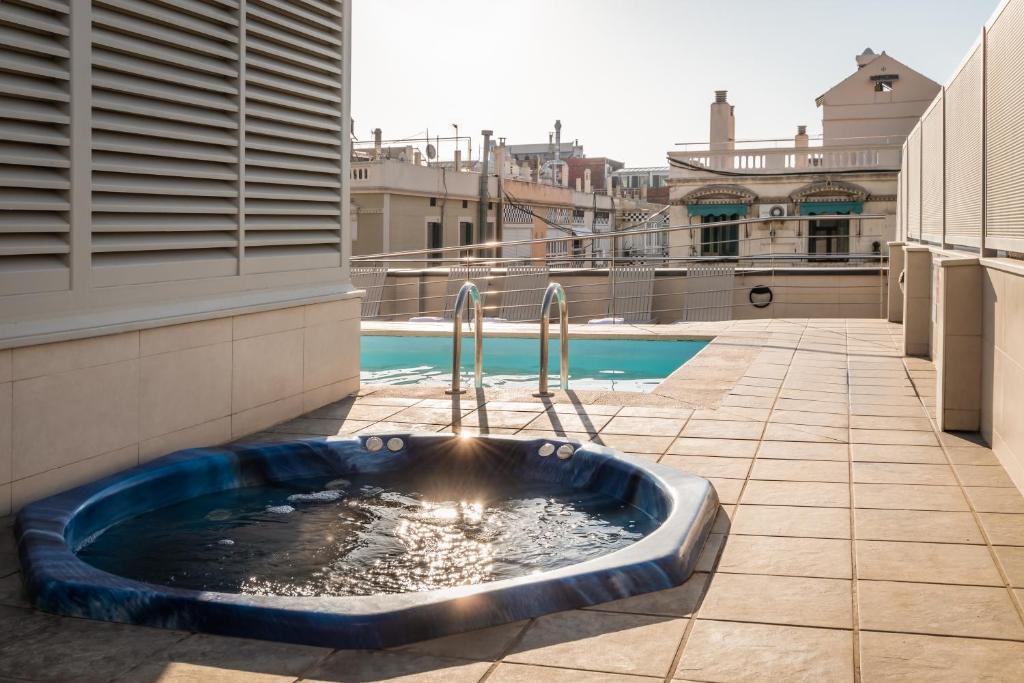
{"points": [[1015, 600], [854, 588], [695, 615]]}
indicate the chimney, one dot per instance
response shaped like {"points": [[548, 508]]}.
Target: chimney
{"points": [[801, 139], [458, 160], [866, 57], [723, 122], [579, 184], [376, 144], [587, 184], [418, 158]]}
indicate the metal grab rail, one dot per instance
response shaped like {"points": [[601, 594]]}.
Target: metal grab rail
{"points": [[554, 290], [467, 290]]}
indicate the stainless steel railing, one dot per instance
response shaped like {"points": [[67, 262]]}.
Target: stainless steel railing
{"points": [[554, 291], [470, 291]]}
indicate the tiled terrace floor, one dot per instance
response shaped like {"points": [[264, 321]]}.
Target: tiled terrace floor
{"points": [[854, 543]]}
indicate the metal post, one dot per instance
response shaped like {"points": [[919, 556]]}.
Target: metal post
{"points": [[481, 216], [554, 290], [467, 290]]}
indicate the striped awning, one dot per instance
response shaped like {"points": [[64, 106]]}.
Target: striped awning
{"points": [[717, 209], [827, 208]]}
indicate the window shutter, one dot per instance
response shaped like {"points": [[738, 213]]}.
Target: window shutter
{"points": [[293, 135], [165, 141], [34, 146], [964, 154], [914, 183], [932, 175], [1004, 101]]}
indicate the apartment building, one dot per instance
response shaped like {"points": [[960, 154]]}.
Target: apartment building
{"points": [[851, 170]]}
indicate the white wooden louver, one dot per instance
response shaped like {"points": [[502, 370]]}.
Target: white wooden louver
{"points": [[932, 175], [293, 128], [34, 146], [964, 154]]}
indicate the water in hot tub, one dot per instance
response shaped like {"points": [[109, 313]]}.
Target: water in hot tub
{"points": [[393, 533]]}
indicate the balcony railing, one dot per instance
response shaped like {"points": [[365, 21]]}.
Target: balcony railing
{"points": [[883, 155]]}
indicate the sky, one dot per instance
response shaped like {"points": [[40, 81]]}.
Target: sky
{"points": [[629, 79]]}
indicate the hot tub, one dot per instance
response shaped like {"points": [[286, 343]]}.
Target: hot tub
{"points": [[364, 542]]}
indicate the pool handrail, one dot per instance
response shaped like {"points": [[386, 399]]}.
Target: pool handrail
{"points": [[470, 290], [554, 291]]}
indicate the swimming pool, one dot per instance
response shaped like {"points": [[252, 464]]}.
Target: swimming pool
{"points": [[596, 364]]}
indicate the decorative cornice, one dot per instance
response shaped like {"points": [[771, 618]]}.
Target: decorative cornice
{"points": [[727, 193], [828, 187]]}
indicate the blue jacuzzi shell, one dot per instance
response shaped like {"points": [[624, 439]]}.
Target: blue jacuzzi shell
{"points": [[57, 581]]}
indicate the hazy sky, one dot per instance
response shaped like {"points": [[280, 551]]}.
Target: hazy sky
{"points": [[629, 79]]}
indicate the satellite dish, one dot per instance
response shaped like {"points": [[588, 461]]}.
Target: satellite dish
{"points": [[431, 151]]}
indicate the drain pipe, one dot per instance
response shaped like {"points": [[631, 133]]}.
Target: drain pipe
{"points": [[553, 291], [481, 215]]}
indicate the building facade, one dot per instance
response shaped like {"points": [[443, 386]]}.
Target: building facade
{"points": [[174, 229], [850, 171]]}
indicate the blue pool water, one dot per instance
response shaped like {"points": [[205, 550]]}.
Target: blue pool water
{"points": [[595, 364]]}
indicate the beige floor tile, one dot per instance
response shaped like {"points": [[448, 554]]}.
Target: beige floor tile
{"points": [[345, 666], [709, 466], [726, 448], [320, 427], [927, 563], [569, 422], [601, 641], [519, 406], [672, 413], [486, 644], [900, 657], [1012, 559], [680, 601], [400, 428], [783, 556], [995, 499], [834, 407], [202, 657], [917, 424], [777, 520], [796, 601], [719, 429], [972, 456], [652, 426], [728, 490], [582, 437], [498, 418], [923, 455], [800, 417], [909, 497], [902, 473], [799, 493], [583, 409], [917, 525], [708, 557], [733, 414], [526, 673], [969, 611], [1003, 529], [438, 416], [349, 410], [893, 436], [629, 443], [984, 475], [400, 401], [781, 432], [748, 401], [730, 651], [804, 450], [801, 470], [882, 410]]}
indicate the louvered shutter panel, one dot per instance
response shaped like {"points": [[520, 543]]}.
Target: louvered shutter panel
{"points": [[914, 183], [34, 146], [932, 175], [1004, 118], [901, 195], [964, 154], [165, 141], [293, 131]]}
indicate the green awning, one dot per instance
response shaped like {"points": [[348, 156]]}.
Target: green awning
{"points": [[826, 208], [717, 209]]}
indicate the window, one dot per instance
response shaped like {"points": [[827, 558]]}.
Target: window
{"points": [[435, 239], [465, 203], [883, 86], [720, 240], [433, 201], [465, 233]]}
